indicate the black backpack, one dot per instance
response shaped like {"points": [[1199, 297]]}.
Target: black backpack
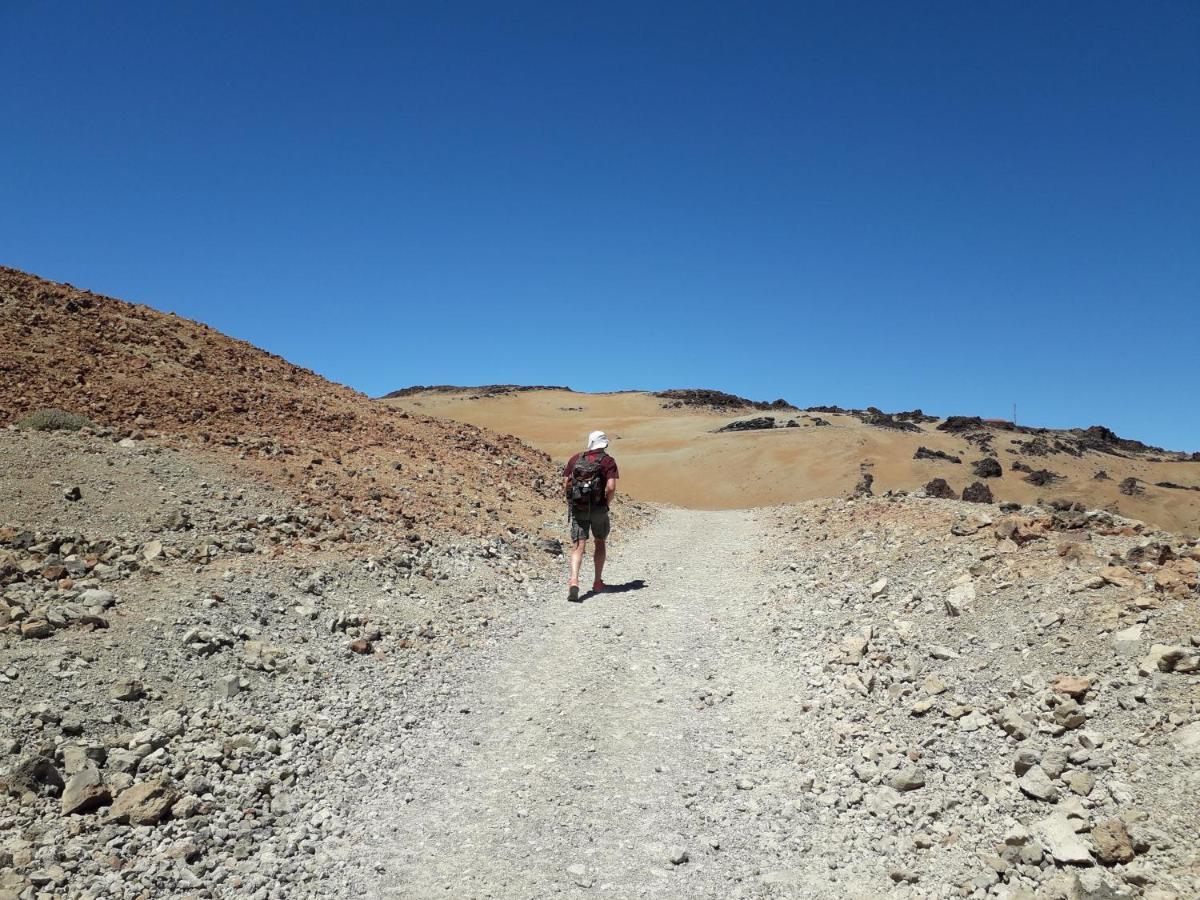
{"points": [[586, 487]]}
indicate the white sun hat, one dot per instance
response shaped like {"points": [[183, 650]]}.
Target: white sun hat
{"points": [[597, 440]]}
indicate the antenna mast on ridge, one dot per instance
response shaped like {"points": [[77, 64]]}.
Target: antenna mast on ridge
{"points": [[1014, 418]]}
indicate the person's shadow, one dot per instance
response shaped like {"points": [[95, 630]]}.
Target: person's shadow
{"points": [[636, 585]]}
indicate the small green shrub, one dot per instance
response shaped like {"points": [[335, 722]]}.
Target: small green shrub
{"points": [[55, 420]]}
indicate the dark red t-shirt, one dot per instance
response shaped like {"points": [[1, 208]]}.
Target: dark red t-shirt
{"points": [[607, 464]]}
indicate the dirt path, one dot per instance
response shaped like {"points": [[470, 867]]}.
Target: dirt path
{"points": [[611, 739]]}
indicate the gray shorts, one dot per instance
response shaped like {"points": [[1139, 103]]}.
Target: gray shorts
{"points": [[594, 520]]}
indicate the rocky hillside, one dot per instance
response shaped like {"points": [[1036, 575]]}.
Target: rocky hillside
{"points": [[187, 661], [137, 373], [763, 454]]}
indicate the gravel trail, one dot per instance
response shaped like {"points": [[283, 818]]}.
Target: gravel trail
{"points": [[612, 747]]}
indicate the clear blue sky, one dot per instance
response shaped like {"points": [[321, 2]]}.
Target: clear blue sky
{"points": [[951, 205]]}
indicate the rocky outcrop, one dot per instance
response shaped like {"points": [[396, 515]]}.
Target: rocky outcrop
{"points": [[977, 492], [718, 400], [1040, 477], [878, 418], [758, 424], [1130, 487], [988, 467], [940, 489], [925, 453]]}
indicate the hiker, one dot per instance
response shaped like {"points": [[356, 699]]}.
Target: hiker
{"points": [[589, 481]]}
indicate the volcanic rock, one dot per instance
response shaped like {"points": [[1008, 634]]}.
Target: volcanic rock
{"points": [[987, 467], [977, 492], [940, 489]]}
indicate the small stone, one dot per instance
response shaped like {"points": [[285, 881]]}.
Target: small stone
{"points": [[126, 689], [360, 646], [152, 550], [677, 855], [909, 778], [84, 791], [922, 706], [879, 588], [1074, 686], [1081, 783], [1060, 840], [73, 493], [143, 804], [1037, 784], [1069, 714], [959, 598], [34, 775], [1026, 760], [228, 686], [1013, 724], [1187, 739], [1161, 658], [36, 629], [1112, 841]]}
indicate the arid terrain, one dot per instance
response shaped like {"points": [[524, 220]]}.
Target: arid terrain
{"points": [[262, 636], [663, 441]]}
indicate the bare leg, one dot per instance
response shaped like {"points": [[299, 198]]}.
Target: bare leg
{"points": [[598, 557], [577, 559]]}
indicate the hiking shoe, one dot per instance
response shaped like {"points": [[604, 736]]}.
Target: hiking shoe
{"points": [[573, 593], [597, 587]]}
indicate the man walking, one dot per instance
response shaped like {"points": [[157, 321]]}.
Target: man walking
{"points": [[589, 481]]}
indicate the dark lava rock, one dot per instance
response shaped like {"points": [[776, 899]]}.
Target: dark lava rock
{"points": [[1040, 446], [880, 419], [1105, 440], [479, 390], [863, 488], [1130, 487], [758, 424], [1177, 487], [926, 453], [792, 423], [977, 492], [1042, 477], [719, 399], [915, 415], [940, 489], [988, 467], [1101, 475], [955, 424]]}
